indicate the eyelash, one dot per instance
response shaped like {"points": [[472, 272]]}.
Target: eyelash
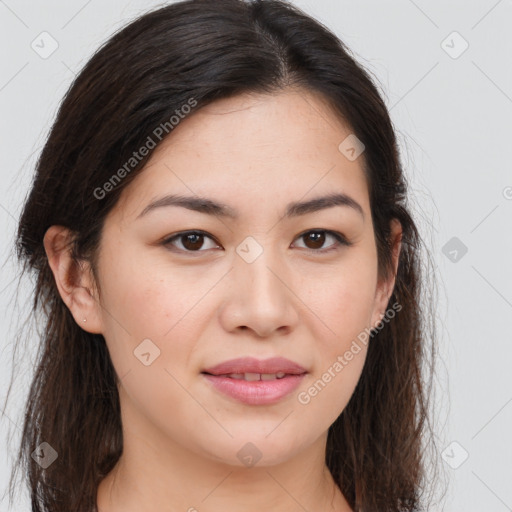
{"points": [[340, 240]]}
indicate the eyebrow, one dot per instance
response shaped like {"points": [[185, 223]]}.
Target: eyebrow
{"points": [[211, 207]]}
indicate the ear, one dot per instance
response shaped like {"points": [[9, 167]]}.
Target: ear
{"points": [[74, 279], [385, 287]]}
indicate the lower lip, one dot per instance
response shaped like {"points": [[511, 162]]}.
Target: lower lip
{"points": [[256, 392]]}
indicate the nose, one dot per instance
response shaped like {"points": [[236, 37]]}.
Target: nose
{"points": [[260, 297]]}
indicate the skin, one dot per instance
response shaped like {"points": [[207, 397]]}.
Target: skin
{"points": [[181, 437]]}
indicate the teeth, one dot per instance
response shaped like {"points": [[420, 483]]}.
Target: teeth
{"points": [[255, 376]]}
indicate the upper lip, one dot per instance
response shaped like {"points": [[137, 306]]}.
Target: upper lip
{"points": [[253, 365]]}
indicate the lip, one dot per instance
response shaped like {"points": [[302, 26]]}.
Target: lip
{"points": [[258, 392], [253, 365]]}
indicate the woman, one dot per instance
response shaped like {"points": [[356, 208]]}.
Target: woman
{"points": [[230, 275]]}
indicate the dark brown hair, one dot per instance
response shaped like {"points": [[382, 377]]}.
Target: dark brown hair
{"points": [[207, 50]]}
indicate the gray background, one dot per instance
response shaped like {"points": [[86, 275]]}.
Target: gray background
{"points": [[452, 110]]}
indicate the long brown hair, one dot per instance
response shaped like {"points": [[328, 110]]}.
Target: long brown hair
{"points": [[207, 50]]}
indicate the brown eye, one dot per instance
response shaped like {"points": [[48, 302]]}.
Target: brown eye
{"points": [[194, 241], [315, 239], [191, 241]]}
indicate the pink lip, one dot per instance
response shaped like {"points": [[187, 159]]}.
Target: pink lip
{"points": [[260, 392], [253, 365]]}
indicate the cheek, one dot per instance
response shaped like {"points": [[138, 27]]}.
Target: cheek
{"points": [[341, 349], [344, 306], [149, 335], [139, 294], [344, 300], [142, 301], [327, 393]]}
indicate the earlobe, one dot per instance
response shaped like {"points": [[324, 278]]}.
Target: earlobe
{"points": [[73, 279]]}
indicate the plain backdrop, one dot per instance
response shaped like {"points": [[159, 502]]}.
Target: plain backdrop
{"points": [[445, 71]]}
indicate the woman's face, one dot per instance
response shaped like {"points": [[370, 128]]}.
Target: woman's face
{"points": [[256, 283]]}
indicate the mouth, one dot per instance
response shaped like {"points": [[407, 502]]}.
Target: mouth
{"points": [[274, 367], [255, 382], [257, 391], [252, 377]]}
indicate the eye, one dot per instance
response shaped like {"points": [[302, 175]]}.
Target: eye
{"points": [[316, 239], [191, 241]]}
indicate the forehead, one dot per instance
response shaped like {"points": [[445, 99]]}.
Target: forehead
{"points": [[252, 148]]}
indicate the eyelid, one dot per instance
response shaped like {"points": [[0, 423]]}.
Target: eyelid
{"points": [[341, 240]]}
